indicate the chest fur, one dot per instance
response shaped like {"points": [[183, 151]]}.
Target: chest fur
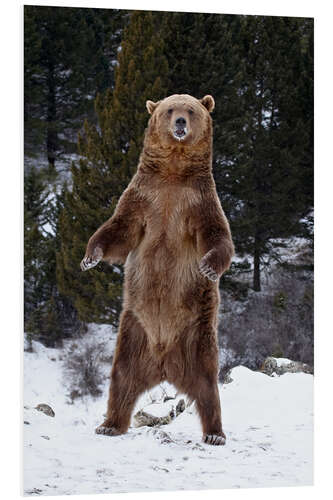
{"points": [[169, 211]]}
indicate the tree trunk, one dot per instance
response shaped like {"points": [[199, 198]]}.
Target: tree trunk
{"points": [[256, 265], [51, 134], [258, 194]]}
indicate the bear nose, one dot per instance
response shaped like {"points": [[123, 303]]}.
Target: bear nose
{"points": [[180, 122]]}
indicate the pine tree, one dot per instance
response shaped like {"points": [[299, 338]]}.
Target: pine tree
{"points": [[36, 284], [203, 58], [48, 316], [110, 152], [264, 178], [69, 56], [306, 98]]}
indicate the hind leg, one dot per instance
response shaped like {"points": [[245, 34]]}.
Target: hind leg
{"points": [[199, 381], [133, 372], [204, 391], [208, 404]]}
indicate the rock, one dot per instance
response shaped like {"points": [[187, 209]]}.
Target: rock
{"points": [[269, 366], [142, 417], [279, 366], [227, 378], [45, 409], [180, 407]]}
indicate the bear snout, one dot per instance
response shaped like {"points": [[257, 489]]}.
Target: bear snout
{"points": [[180, 129], [180, 122]]}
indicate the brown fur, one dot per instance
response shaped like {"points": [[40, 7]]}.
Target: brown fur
{"points": [[170, 231]]}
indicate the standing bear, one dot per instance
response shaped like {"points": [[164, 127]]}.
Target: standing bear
{"points": [[171, 233]]}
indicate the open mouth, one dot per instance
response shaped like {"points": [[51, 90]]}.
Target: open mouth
{"points": [[180, 133]]}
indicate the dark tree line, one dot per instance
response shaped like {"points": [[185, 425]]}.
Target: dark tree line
{"points": [[69, 56], [106, 64]]}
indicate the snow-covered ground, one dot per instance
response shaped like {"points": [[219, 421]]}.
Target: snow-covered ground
{"points": [[268, 422]]}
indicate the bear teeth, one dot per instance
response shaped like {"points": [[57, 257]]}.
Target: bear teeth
{"points": [[180, 134]]}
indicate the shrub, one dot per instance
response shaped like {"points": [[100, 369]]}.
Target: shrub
{"points": [[277, 322], [82, 368]]}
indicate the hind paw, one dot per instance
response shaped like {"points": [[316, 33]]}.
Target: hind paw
{"points": [[215, 439], [107, 430]]}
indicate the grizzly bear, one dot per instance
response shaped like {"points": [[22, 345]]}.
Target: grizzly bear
{"points": [[171, 233]]}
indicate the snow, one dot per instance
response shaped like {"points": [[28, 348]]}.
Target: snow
{"points": [[282, 362], [268, 422]]}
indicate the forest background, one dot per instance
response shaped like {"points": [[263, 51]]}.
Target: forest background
{"points": [[87, 75]]}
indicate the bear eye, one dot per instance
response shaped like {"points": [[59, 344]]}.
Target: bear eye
{"points": [[190, 111], [170, 111]]}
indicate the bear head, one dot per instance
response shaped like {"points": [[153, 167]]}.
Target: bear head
{"points": [[181, 119]]}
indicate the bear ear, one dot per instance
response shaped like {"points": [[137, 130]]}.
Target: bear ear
{"points": [[208, 102], [150, 105]]}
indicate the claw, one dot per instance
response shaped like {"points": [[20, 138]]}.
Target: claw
{"points": [[107, 431], [88, 263], [91, 261], [214, 439], [208, 272]]}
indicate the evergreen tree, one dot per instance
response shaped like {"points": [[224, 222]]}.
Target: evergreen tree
{"points": [[259, 69], [33, 130], [69, 56], [264, 174], [35, 196], [48, 316], [203, 58], [306, 97], [110, 153]]}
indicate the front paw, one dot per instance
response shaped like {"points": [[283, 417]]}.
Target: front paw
{"points": [[207, 267], [91, 259], [208, 272]]}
